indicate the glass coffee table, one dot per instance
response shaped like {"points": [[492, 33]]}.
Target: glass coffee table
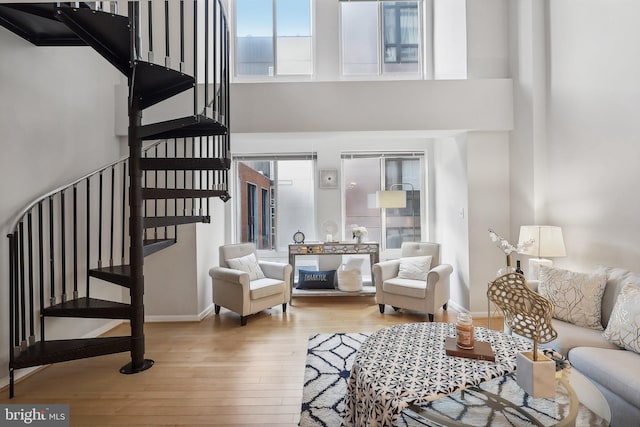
{"points": [[501, 402]]}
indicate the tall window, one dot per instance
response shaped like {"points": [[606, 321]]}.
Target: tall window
{"points": [[380, 37], [364, 175], [286, 199], [273, 38]]}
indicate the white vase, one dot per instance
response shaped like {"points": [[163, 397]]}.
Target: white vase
{"points": [[359, 239]]}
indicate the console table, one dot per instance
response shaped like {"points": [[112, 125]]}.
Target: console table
{"points": [[332, 248]]}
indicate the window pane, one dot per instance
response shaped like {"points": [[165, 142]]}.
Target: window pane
{"points": [[403, 224], [401, 37], [364, 176], [359, 38], [362, 180], [286, 204], [254, 37], [294, 51]]}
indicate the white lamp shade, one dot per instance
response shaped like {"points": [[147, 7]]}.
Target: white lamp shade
{"points": [[391, 199], [548, 241]]}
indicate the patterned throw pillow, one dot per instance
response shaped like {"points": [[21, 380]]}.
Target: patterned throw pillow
{"points": [[624, 325], [577, 297], [415, 267], [248, 264]]}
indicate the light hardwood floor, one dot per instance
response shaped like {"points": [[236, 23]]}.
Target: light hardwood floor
{"points": [[212, 372]]}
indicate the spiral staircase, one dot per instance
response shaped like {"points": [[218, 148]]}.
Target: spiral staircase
{"points": [[100, 227]]}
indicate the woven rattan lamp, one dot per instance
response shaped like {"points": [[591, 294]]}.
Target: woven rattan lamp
{"points": [[527, 314]]}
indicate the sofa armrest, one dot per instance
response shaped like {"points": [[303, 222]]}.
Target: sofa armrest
{"points": [[533, 285]]}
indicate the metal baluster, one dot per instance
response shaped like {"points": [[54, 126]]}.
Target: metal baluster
{"points": [[100, 221], [32, 333], [12, 309], [124, 207], [52, 295], [150, 16], [181, 35], [41, 267], [167, 58], [75, 242], [23, 299], [63, 257], [88, 246], [113, 213]]}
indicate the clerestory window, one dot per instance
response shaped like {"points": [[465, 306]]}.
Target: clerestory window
{"points": [[273, 38], [381, 37]]}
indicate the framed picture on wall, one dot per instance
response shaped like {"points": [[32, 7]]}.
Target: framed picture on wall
{"points": [[328, 178]]}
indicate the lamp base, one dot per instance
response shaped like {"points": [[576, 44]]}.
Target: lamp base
{"points": [[537, 379], [534, 267]]}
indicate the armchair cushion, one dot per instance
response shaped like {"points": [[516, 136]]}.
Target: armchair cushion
{"points": [[414, 268], [311, 279], [248, 264], [406, 287], [265, 287]]}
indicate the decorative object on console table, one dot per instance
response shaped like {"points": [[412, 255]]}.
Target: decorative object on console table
{"points": [[506, 247], [527, 314], [359, 233], [548, 243]]}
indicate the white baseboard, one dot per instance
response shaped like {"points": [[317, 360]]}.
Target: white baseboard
{"points": [[460, 309], [181, 317]]}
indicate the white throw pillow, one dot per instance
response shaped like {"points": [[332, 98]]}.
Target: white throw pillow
{"points": [[624, 325], [415, 268], [577, 297], [248, 264]]}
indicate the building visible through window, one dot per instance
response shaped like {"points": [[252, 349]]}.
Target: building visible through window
{"points": [[273, 37], [275, 198], [393, 24]]}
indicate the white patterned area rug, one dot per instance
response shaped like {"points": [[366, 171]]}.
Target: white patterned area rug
{"points": [[328, 365]]}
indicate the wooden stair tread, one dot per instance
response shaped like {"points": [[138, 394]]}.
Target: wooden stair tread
{"points": [[152, 246], [107, 33], [47, 352], [165, 221], [184, 127], [89, 308], [154, 83], [178, 193], [36, 23], [184, 163], [118, 274]]}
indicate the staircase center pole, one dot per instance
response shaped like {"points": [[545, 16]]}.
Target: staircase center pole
{"points": [[136, 224]]}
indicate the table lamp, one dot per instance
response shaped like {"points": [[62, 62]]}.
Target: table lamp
{"points": [[548, 243]]}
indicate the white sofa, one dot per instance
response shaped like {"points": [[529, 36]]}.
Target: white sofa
{"points": [[614, 370]]}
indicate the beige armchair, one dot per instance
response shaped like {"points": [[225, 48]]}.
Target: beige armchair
{"points": [[245, 285], [405, 283]]}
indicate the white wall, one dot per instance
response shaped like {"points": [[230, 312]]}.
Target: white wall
{"points": [[57, 122], [177, 282], [584, 177]]}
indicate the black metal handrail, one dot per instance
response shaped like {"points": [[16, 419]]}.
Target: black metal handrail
{"points": [[58, 238]]}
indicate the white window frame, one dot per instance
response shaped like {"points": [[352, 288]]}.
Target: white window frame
{"points": [[425, 13], [235, 78]]}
